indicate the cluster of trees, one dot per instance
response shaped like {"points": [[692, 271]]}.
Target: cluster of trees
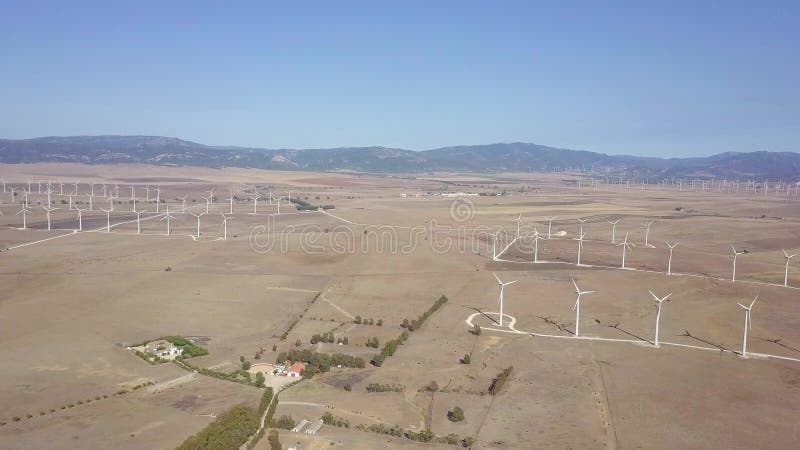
{"points": [[259, 352], [285, 422], [466, 359], [456, 415], [231, 430], [324, 337], [358, 320], [303, 205], [190, 350], [373, 343], [320, 362], [416, 323], [500, 380], [377, 387], [389, 348], [336, 421]]}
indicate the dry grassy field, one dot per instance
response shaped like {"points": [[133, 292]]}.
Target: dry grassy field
{"points": [[72, 301]]}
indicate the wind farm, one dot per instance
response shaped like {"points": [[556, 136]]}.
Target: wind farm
{"points": [[573, 306]]}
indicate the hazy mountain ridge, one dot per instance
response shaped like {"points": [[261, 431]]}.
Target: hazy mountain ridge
{"points": [[516, 156]]}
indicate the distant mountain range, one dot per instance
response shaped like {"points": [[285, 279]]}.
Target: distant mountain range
{"points": [[515, 157]]}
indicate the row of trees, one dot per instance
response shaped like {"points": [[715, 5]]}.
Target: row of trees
{"points": [[358, 320], [378, 387], [373, 343], [416, 323], [500, 380], [324, 337], [389, 348]]}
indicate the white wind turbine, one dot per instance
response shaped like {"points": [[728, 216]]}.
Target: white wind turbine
{"points": [[646, 227], [658, 313], [519, 222], [669, 261], [80, 219], [581, 221], [225, 226], [748, 324], [198, 222], [24, 211], [168, 216], [208, 201], [786, 270], [183, 203], [49, 209], [536, 238], [158, 198], [580, 246], [735, 254], [139, 222], [231, 203], [91, 202], [255, 198], [502, 289], [625, 246], [577, 307], [108, 218], [494, 246], [614, 230], [211, 196], [549, 227]]}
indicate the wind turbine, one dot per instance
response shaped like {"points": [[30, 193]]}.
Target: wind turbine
{"points": [[24, 211], [625, 246], [646, 227], [168, 216], [158, 198], [549, 226], [748, 324], [255, 198], [580, 246], [108, 218], [735, 254], [48, 209], [139, 222], [198, 222], [519, 222], [669, 261], [614, 230], [231, 200], [581, 221], [494, 245], [658, 312], [80, 219], [183, 204], [577, 307], [208, 200], [224, 226], [502, 288], [786, 271], [91, 204], [536, 238]]}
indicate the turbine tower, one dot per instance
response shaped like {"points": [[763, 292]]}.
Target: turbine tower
{"points": [[198, 222], [658, 312], [577, 307], [225, 226], [669, 261], [625, 246], [502, 288], [24, 211], [580, 247], [549, 227], [581, 221], [748, 324], [786, 270], [646, 227], [735, 254], [614, 230]]}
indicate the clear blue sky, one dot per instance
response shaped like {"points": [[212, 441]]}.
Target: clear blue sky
{"points": [[654, 78]]}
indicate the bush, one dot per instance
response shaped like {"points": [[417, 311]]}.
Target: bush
{"points": [[274, 441], [476, 330], [466, 359], [456, 415], [260, 379], [285, 422]]}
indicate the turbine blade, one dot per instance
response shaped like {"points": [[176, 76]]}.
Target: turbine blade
{"points": [[497, 278], [754, 301], [575, 284], [654, 296], [575, 306], [743, 307], [510, 282], [668, 296]]}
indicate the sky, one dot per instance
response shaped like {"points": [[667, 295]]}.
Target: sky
{"points": [[654, 78]]}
